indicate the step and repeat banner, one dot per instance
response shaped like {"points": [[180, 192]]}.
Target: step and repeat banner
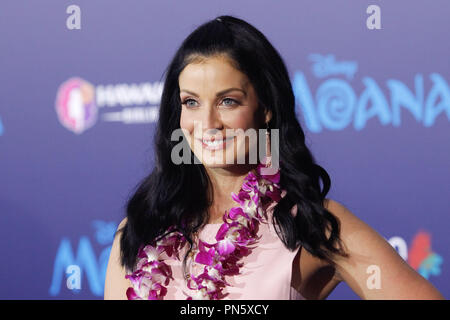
{"points": [[79, 96]]}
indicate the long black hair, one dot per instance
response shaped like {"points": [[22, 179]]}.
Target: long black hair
{"points": [[177, 194]]}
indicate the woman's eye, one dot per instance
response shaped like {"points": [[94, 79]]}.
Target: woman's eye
{"points": [[229, 99], [185, 102], [231, 103]]}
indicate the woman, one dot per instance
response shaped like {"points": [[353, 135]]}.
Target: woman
{"points": [[238, 230]]}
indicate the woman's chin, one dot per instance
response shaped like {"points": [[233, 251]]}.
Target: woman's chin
{"points": [[222, 158], [214, 163]]}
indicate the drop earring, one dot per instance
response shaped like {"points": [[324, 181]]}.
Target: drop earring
{"points": [[268, 151]]}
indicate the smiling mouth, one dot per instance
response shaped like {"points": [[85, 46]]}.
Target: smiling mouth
{"points": [[215, 144]]}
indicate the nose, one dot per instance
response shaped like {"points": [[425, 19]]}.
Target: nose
{"points": [[211, 122]]}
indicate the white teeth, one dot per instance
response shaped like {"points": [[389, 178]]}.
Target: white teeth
{"points": [[213, 143], [216, 143]]}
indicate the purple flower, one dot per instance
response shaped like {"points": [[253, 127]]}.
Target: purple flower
{"points": [[274, 178], [225, 247], [222, 231], [203, 256], [235, 239]]}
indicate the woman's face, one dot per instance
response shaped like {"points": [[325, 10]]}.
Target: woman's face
{"points": [[216, 101]]}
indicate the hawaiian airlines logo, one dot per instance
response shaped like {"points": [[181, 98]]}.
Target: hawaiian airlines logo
{"points": [[75, 105], [78, 103], [420, 255]]}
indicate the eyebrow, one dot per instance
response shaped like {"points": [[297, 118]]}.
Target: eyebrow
{"points": [[218, 94]]}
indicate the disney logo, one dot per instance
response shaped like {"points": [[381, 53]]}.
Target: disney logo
{"points": [[325, 65]]}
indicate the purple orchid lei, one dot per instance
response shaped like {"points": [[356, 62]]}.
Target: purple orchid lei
{"points": [[234, 240]]}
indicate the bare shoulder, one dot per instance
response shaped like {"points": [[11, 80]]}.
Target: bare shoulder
{"points": [[115, 283], [122, 223], [314, 262], [318, 277], [373, 269]]}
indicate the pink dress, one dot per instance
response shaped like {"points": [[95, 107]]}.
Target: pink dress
{"points": [[265, 275]]}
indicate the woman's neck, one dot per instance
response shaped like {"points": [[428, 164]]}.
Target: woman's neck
{"points": [[224, 182]]}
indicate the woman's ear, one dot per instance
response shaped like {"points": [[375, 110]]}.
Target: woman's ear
{"points": [[268, 116]]}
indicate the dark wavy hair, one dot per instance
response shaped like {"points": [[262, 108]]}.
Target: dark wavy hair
{"points": [[178, 194]]}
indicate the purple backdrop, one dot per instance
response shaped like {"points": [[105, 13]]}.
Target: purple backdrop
{"points": [[78, 110]]}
